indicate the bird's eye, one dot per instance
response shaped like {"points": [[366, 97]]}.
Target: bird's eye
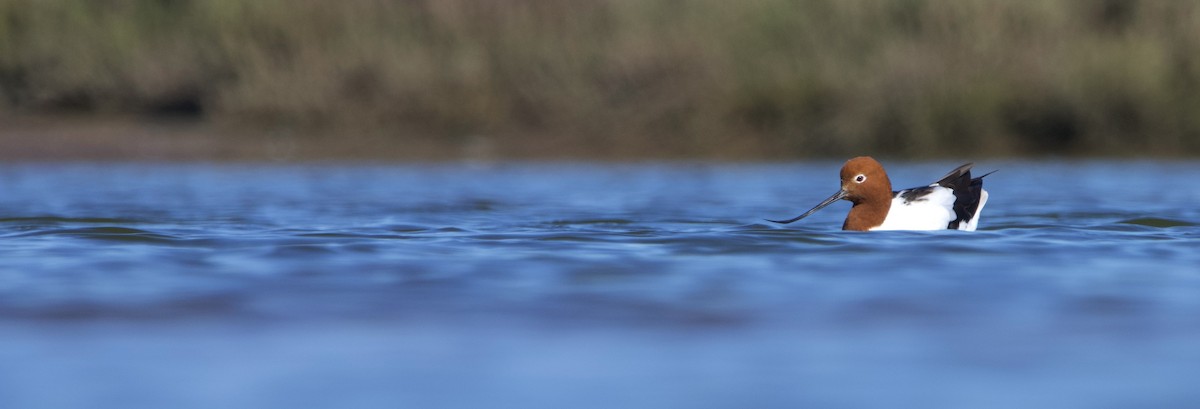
{"points": [[860, 178]]}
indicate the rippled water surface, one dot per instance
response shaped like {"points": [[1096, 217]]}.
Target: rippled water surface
{"points": [[590, 286]]}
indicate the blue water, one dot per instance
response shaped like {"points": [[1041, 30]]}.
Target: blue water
{"points": [[590, 286]]}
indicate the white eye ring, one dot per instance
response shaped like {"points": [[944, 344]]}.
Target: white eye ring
{"points": [[860, 178]]}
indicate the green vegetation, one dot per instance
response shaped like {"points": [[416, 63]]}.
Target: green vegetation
{"points": [[613, 78]]}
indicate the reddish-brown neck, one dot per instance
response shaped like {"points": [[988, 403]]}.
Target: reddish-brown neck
{"points": [[867, 214]]}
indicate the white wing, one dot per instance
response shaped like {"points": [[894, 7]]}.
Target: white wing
{"points": [[933, 211]]}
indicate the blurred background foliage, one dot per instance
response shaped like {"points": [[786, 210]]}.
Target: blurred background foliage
{"points": [[617, 78]]}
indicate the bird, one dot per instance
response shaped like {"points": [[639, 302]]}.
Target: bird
{"points": [[953, 202]]}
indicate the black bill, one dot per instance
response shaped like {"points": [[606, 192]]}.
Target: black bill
{"points": [[836, 196]]}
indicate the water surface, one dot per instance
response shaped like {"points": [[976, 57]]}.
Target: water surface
{"points": [[590, 285]]}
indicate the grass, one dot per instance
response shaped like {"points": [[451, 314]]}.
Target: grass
{"points": [[631, 78]]}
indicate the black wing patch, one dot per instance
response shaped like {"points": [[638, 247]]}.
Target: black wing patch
{"points": [[966, 193], [916, 194]]}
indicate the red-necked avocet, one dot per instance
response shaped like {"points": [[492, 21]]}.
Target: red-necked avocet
{"points": [[953, 202]]}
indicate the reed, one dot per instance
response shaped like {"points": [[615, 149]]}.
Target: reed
{"points": [[618, 78]]}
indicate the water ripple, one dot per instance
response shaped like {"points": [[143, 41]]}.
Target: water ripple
{"points": [[507, 264]]}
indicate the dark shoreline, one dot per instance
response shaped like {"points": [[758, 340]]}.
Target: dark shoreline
{"points": [[45, 137], [48, 137], [82, 138]]}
